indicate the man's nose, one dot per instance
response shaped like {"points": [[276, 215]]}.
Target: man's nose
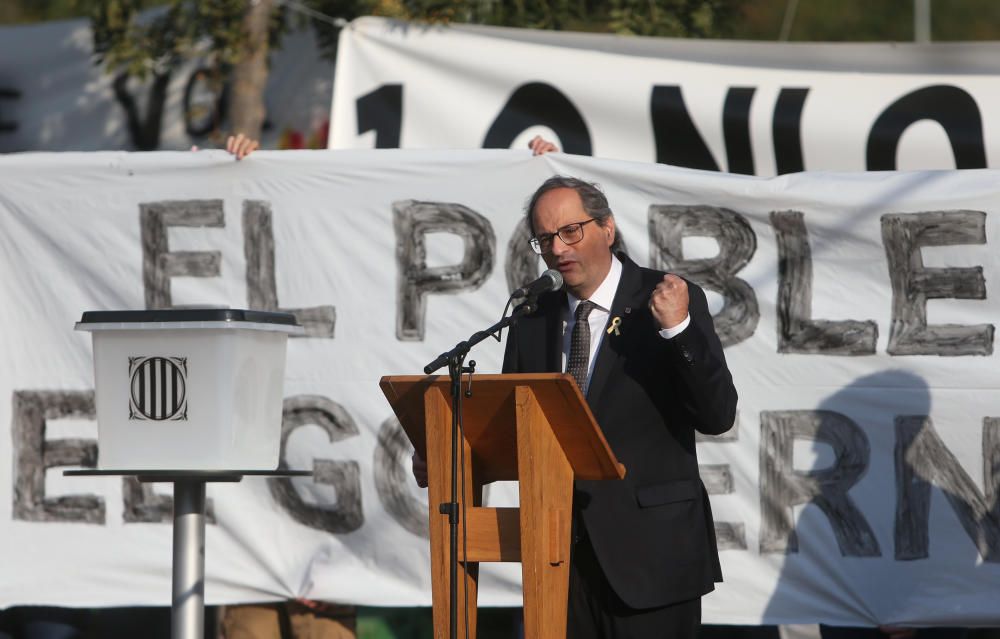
{"points": [[558, 246]]}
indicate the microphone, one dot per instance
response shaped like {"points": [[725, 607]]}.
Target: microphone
{"points": [[551, 280]]}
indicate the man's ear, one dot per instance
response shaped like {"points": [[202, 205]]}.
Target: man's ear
{"points": [[609, 228]]}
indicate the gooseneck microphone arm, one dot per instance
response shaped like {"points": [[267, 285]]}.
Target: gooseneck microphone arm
{"points": [[551, 280], [462, 348]]}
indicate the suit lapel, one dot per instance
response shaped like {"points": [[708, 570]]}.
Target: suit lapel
{"points": [[554, 334], [542, 334], [627, 300]]}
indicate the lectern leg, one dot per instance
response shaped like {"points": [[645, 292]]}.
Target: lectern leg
{"points": [[546, 492], [188, 609], [438, 420]]}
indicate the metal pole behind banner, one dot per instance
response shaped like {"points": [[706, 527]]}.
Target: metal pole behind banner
{"points": [[786, 22], [188, 611], [921, 20]]}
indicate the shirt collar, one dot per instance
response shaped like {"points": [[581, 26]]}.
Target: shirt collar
{"points": [[604, 296]]}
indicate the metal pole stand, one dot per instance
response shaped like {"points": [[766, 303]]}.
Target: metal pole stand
{"points": [[187, 610], [187, 615]]}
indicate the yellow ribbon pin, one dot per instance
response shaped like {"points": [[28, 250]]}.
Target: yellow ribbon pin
{"points": [[614, 326]]}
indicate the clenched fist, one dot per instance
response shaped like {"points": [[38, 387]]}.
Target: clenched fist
{"points": [[669, 301]]}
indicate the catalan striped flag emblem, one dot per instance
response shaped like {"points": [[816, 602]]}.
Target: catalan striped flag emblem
{"points": [[158, 388]]}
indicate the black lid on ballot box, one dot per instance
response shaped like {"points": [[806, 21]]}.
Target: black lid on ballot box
{"points": [[188, 315]]}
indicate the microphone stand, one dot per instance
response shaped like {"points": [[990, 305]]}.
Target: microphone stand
{"points": [[455, 359]]}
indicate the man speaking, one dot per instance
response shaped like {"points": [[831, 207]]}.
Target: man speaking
{"points": [[642, 347]]}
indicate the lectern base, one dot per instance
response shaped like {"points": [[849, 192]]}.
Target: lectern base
{"points": [[187, 609]]}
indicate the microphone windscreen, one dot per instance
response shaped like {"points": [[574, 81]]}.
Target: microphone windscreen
{"points": [[556, 277]]}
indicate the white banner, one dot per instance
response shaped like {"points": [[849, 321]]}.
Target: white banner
{"points": [[755, 108], [859, 486]]}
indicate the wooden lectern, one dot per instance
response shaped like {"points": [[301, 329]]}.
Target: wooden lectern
{"points": [[535, 428]]}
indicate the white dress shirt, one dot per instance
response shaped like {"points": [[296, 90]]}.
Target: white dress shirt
{"points": [[603, 297]]}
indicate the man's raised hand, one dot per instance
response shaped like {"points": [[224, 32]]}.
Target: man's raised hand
{"points": [[669, 301]]}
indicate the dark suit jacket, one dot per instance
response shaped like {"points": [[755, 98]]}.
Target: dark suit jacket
{"points": [[652, 532]]}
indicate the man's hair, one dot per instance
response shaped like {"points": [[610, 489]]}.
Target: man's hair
{"points": [[595, 204]]}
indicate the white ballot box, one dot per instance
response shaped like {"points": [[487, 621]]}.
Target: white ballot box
{"points": [[189, 389]]}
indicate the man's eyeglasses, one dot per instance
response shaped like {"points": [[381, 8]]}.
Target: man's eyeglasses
{"points": [[569, 234]]}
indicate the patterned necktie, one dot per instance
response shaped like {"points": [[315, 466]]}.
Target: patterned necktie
{"points": [[579, 345]]}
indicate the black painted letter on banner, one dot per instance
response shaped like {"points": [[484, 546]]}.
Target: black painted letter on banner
{"points": [[34, 454], [540, 104], [413, 222], [382, 111], [903, 235], [797, 331], [786, 130], [670, 224], [922, 460], [718, 480], [522, 264], [345, 476], [678, 141], [206, 99], [736, 129], [951, 107], [159, 264], [144, 131], [143, 505], [262, 288], [393, 479], [8, 126], [782, 487]]}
